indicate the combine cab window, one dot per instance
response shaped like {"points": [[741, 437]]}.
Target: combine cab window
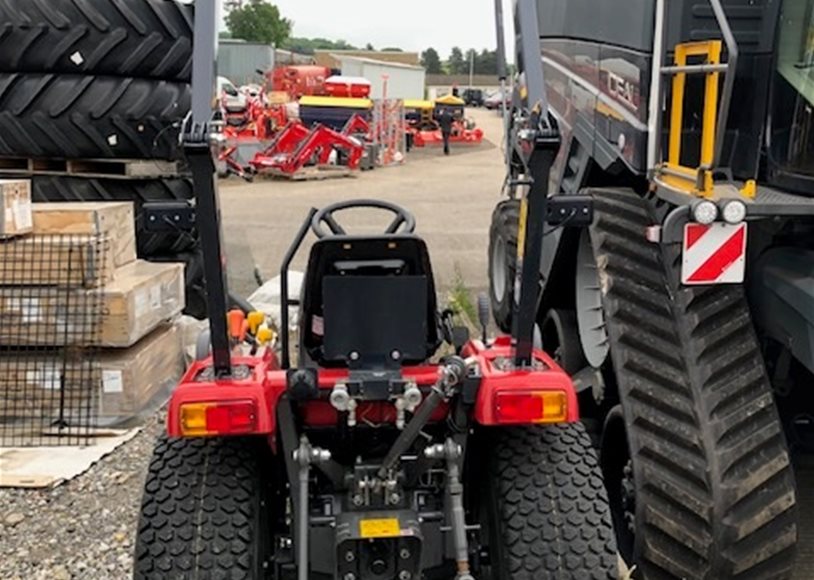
{"points": [[792, 121]]}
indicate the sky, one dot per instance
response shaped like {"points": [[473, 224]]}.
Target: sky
{"points": [[412, 25]]}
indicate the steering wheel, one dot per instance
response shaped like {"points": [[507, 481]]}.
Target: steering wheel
{"points": [[403, 223]]}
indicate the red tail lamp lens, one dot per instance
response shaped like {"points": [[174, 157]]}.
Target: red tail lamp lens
{"points": [[222, 418], [531, 407]]}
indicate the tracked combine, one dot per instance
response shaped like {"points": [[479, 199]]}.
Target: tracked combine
{"points": [[686, 310]]}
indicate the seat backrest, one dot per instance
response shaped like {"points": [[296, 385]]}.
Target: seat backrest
{"points": [[369, 303]]}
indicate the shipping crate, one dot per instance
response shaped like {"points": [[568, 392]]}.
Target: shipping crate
{"points": [[15, 199], [140, 377], [41, 387], [113, 220], [141, 296], [55, 260]]}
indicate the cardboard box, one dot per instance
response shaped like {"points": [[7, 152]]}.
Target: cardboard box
{"points": [[141, 297], [15, 199], [141, 377], [114, 220]]}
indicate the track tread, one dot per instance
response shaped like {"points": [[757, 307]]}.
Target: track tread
{"points": [[552, 506], [138, 38], [726, 456], [76, 117]]}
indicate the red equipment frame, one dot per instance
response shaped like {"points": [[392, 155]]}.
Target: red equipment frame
{"points": [[296, 146], [257, 395]]}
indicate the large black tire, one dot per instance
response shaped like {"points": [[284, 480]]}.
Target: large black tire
{"points": [[548, 512], [76, 117], [503, 261], [138, 191], [138, 38], [204, 511], [694, 458]]}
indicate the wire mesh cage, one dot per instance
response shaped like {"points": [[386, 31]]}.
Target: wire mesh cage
{"points": [[51, 314]]}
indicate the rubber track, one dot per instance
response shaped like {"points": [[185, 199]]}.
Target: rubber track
{"points": [[76, 117], [138, 191], [553, 509], [200, 515], [505, 223], [130, 38], [716, 493]]}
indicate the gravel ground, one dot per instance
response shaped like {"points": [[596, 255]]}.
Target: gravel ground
{"points": [[84, 529]]}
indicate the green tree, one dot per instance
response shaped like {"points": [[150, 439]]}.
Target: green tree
{"points": [[259, 21], [456, 65], [486, 62], [431, 61], [392, 49], [369, 47], [309, 45]]}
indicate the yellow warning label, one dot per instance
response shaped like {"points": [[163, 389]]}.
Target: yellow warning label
{"points": [[383, 528]]}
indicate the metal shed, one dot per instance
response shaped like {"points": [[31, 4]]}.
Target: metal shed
{"points": [[239, 60], [403, 81]]}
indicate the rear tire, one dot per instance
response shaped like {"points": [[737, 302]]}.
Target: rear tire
{"points": [[141, 38], [87, 117], [204, 512], [503, 261], [548, 511]]}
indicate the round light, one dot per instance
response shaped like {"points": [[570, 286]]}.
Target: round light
{"points": [[733, 211], [705, 212]]}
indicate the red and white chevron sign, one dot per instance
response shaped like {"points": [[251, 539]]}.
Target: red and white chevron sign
{"points": [[714, 254]]}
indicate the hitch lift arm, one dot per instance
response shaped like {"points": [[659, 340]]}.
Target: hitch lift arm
{"points": [[198, 149], [532, 134]]}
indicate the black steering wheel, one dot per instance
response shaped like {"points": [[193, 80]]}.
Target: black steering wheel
{"points": [[403, 223]]}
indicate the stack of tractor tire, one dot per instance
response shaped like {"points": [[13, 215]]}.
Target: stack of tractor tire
{"points": [[102, 79]]}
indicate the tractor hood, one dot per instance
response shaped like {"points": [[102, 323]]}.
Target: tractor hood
{"points": [[782, 296]]}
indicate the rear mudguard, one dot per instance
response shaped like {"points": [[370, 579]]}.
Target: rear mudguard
{"points": [[781, 291]]}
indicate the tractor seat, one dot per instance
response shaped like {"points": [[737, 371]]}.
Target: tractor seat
{"points": [[369, 302]]}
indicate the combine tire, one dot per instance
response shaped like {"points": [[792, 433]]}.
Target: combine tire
{"points": [[204, 512], [76, 117], [55, 189], [132, 38], [548, 512], [694, 458], [503, 261]]}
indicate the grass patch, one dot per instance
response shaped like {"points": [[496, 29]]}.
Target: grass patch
{"points": [[460, 300]]}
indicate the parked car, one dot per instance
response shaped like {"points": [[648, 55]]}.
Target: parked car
{"points": [[496, 100], [473, 97], [232, 100]]}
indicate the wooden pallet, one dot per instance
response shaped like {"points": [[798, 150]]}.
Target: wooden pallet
{"points": [[314, 173], [91, 168]]}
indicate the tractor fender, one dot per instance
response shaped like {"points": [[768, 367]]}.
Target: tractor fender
{"points": [[781, 292]]}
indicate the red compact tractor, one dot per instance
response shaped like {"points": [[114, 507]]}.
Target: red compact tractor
{"points": [[395, 447]]}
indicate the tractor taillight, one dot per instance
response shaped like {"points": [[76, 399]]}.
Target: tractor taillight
{"points": [[530, 407], [224, 418]]}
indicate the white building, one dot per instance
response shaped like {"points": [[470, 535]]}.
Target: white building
{"points": [[401, 81]]}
